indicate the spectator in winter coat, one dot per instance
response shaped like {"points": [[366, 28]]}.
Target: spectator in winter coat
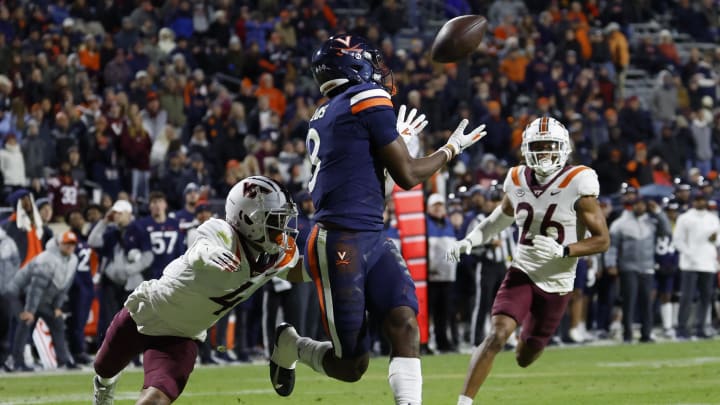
{"points": [[34, 150], [632, 256], [441, 273], [664, 101], [696, 239], [9, 265], [135, 146], [12, 163], [121, 262], [45, 284]]}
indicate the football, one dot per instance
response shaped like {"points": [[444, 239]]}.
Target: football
{"points": [[458, 38]]}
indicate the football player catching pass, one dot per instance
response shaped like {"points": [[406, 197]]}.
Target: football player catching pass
{"points": [[554, 206], [352, 139], [226, 263]]}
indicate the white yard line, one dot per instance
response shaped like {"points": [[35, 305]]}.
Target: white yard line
{"points": [[688, 362], [124, 395]]}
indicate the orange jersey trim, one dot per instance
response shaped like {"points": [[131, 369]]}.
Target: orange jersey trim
{"points": [[369, 103], [515, 176], [289, 253], [315, 272], [574, 172]]}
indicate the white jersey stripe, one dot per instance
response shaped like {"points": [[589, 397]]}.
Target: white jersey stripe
{"points": [[368, 94], [327, 292]]}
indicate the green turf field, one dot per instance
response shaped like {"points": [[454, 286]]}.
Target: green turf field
{"points": [[670, 373]]}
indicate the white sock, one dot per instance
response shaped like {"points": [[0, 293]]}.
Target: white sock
{"points": [[405, 377], [108, 381], [675, 311], [312, 352], [463, 400], [666, 315]]}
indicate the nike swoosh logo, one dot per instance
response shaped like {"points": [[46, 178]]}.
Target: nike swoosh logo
{"points": [[278, 386], [555, 192]]}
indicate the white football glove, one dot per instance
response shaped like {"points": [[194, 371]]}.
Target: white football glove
{"points": [[547, 248], [462, 246], [409, 128], [222, 259], [459, 140]]}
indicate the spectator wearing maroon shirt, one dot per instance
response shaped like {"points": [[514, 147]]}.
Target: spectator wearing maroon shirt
{"points": [[135, 146], [63, 191]]}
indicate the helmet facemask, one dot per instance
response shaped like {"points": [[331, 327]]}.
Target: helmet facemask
{"points": [[545, 146], [278, 228], [382, 74], [545, 157]]}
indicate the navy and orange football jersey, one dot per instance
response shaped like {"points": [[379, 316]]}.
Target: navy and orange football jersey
{"points": [[164, 240], [345, 134]]}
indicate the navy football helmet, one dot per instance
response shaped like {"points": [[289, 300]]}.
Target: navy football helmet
{"points": [[349, 59]]}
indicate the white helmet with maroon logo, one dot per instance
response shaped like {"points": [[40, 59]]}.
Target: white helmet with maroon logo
{"points": [[261, 209], [547, 159]]}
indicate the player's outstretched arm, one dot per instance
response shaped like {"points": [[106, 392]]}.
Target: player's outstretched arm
{"points": [[408, 172], [501, 217], [590, 214]]}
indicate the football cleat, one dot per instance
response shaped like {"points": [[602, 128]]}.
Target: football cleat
{"points": [[283, 360], [103, 394]]}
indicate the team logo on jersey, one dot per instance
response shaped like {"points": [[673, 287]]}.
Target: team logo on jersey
{"points": [[537, 192], [342, 258]]}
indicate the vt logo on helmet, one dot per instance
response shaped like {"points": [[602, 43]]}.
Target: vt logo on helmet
{"points": [[261, 210], [350, 59], [545, 145]]}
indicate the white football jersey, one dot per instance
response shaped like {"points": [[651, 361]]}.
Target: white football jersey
{"points": [[548, 210], [192, 295]]}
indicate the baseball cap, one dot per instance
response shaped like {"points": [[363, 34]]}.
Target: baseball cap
{"points": [[13, 198], [41, 201], [122, 206], [435, 198], [68, 237], [191, 187]]}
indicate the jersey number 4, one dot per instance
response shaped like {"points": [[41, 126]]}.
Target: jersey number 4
{"points": [[230, 299], [546, 224]]}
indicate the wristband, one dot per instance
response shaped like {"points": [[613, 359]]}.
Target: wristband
{"points": [[448, 153], [451, 149], [566, 251]]}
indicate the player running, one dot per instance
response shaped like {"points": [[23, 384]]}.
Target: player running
{"points": [[352, 138], [554, 205], [226, 263]]}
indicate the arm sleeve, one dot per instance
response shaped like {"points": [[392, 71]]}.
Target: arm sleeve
{"points": [[489, 227], [95, 239]]}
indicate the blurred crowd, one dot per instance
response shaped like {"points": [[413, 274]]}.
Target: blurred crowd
{"points": [[173, 101]]}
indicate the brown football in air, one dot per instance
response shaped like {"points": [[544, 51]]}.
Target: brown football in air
{"points": [[458, 38]]}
